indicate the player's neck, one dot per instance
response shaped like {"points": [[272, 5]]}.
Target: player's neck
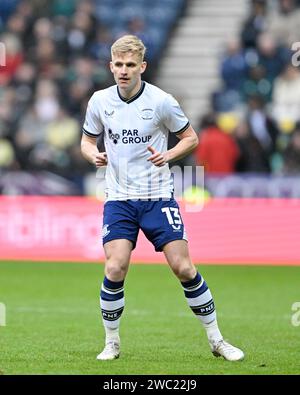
{"points": [[126, 94]]}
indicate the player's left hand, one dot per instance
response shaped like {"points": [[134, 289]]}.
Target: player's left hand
{"points": [[157, 158]]}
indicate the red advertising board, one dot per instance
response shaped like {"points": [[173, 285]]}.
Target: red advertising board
{"points": [[223, 231]]}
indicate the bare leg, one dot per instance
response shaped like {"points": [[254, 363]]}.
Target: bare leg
{"points": [[117, 254], [177, 255]]}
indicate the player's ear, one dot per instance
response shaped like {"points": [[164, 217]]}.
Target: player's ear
{"points": [[111, 66], [143, 66]]}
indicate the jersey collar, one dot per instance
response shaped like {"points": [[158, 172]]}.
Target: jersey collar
{"points": [[136, 96]]}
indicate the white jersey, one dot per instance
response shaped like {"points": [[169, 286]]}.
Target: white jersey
{"points": [[129, 127]]}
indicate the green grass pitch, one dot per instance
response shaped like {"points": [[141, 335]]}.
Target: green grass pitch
{"points": [[53, 323]]}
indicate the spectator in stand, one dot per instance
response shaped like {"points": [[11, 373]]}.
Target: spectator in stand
{"points": [[63, 7], [28, 137], [100, 47], [233, 72], [13, 57], [217, 151], [253, 156], [26, 9], [43, 51], [32, 130], [257, 84], [291, 156], [7, 155], [17, 25], [262, 126], [41, 7], [8, 112], [234, 66], [272, 57], [255, 24], [137, 27], [286, 95], [82, 32], [284, 23], [65, 42], [84, 76], [7, 7], [61, 144]]}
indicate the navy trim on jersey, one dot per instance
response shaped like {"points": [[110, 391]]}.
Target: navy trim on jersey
{"points": [[136, 96], [89, 134], [183, 129]]}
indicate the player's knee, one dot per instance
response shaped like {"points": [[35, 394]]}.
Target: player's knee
{"points": [[184, 271], [115, 271]]}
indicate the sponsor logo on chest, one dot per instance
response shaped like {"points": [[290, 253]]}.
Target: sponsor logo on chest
{"points": [[128, 136]]}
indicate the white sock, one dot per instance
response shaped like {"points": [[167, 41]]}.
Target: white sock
{"points": [[213, 333], [112, 302], [112, 335]]}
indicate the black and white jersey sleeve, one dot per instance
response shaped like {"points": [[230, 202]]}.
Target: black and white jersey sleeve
{"points": [[92, 126], [173, 117]]}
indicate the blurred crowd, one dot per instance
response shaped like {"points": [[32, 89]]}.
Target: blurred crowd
{"points": [[254, 124], [53, 55], [56, 56]]}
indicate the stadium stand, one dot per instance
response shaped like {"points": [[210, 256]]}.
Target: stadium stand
{"points": [[231, 62], [56, 56], [235, 61], [190, 67]]}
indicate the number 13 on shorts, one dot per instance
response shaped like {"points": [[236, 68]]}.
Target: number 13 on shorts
{"points": [[173, 216]]}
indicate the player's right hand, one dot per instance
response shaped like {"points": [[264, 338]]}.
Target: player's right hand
{"points": [[157, 158], [100, 159]]}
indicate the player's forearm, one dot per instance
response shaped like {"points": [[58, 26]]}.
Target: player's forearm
{"points": [[182, 148], [89, 151]]}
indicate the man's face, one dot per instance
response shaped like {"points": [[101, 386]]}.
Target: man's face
{"points": [[127, 69]]}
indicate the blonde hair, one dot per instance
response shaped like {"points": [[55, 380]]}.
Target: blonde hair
{"points": [[129, 43]]}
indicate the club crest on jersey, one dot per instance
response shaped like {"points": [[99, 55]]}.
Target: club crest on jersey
{"points": [[109, 114], [147, 113]]}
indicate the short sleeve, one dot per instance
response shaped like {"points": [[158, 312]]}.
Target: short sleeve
{"points": [[92, 126], [173, 117]]}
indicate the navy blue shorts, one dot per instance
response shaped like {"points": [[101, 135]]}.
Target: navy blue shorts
{"points": [[159, 220]]}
